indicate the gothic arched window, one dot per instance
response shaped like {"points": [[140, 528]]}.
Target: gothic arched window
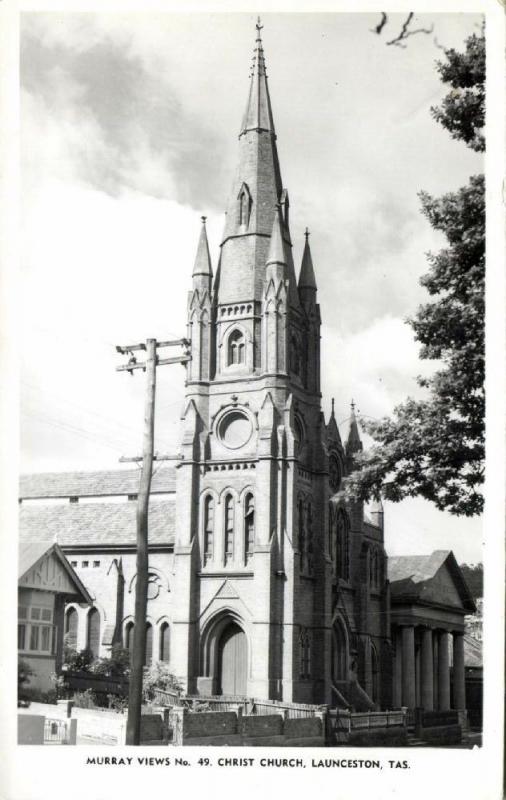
{"points": [[244, 204], [302, 537], [71, 621], [93, 632], [343, 546], [249, 526], [229, 528], [208, 528], [164, 642], [333, 536], [309, 539], [305, 653], [236, 348], [129, 636], [148, 653]]}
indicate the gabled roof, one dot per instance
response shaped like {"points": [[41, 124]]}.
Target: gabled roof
{"points": [[410, 576], [88, 524], [31, 553], [93, 484]]}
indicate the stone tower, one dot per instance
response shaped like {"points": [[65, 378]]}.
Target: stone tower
{"points": [[252, 570]]}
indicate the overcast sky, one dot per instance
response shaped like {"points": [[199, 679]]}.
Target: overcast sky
{"points": [[129, 134]]}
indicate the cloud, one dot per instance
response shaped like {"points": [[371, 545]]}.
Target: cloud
{"points": [[129, 128], [376, 366]]}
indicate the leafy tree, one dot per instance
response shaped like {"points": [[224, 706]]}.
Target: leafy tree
{"points": [[473, 576], [434, 447]]}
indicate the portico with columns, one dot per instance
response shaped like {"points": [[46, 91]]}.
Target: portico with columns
{"points": [[429, 600]]}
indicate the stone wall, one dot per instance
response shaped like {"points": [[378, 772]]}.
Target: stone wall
{"points": [[232, 728]]}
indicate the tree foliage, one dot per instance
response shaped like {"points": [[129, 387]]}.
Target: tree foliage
{"points": [[473, 576], [462, 111], [434, 447]]}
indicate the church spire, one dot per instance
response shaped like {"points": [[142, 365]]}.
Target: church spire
{"points": [[256, 192], [202, 264], [258, 114], [307, 278], [354, 442]]}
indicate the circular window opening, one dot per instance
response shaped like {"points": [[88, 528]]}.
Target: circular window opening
{"points": [[235, 430]]}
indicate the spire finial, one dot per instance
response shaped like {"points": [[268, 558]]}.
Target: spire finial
{"points": [[306, 234], [259, 25], [203, 220], [333, 406], [352, 406]]}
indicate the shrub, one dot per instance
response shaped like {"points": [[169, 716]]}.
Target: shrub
{"points": [[25, 672], [159, 676], [116, 666], [78, 661], [117, 702], [39, 696]]}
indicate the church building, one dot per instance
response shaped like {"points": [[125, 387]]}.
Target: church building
{"points": [[263, 582]]}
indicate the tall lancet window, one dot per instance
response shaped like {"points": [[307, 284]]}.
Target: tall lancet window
{"points": [[343, 541], [236, 348], [229, 528], [208, 528], [302, 534], [249, 526], [244, 203]]}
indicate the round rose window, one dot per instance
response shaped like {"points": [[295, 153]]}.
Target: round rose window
{"points": [[235, 429]]}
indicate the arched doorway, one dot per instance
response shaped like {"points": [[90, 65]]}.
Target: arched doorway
{"points": [[232, 660]]}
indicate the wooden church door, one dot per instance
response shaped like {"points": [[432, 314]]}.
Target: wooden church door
{"points": [[232, 663]]}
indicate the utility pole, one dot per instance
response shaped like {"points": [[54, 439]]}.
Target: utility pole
{"points": [[148, 456]]}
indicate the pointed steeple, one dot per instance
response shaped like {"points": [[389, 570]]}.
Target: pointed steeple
{"points": [[256, 191], [276, 253], [307, 278], [258, 114], [332, 429], [202, 264], [353, 442]]}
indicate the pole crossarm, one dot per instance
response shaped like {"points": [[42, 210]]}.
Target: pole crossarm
{"points": [[138, 655], [130, 348], [134, 364]]}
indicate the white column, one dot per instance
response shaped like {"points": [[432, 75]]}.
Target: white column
{"points": [[427, 670]]}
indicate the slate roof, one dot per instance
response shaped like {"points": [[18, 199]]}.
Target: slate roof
{"points": [[95, 523], [416, 568], [408, 575], [89, 484]]}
